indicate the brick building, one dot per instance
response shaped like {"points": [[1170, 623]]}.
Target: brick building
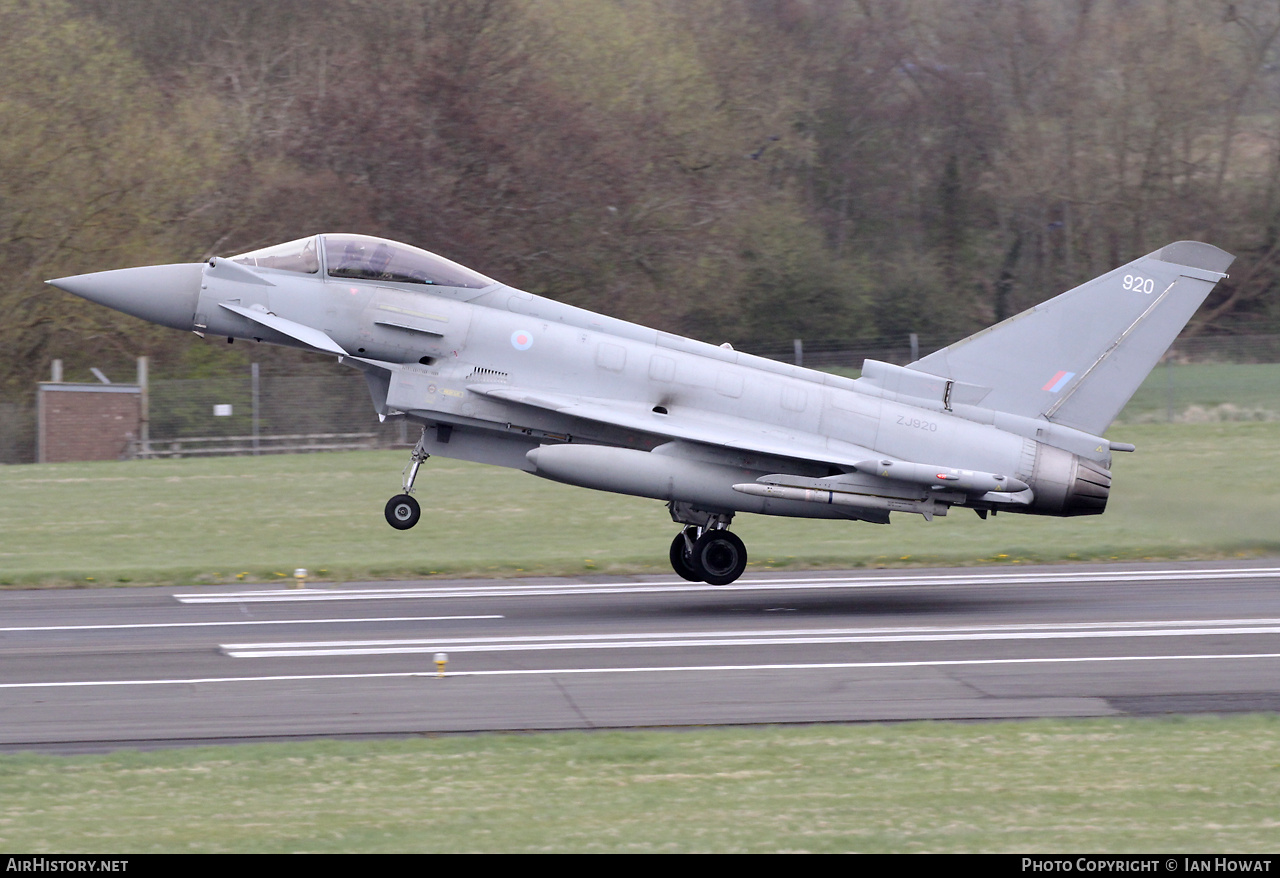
{"points": [[86, 421]]}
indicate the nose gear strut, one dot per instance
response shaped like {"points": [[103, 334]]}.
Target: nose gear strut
{"points": [[402, 511]]}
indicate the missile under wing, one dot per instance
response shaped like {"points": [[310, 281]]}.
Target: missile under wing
{"points": [[1010, 419]]}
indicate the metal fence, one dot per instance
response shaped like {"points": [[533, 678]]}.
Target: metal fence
{"points": [[264, 415], [17, 433], [278, 414]]}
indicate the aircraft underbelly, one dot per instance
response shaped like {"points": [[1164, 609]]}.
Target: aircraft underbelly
{"points": [[479, 445], [664, 477]]}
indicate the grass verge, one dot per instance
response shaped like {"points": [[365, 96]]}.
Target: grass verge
{"points": [[1191, 491], [1202, 784]]}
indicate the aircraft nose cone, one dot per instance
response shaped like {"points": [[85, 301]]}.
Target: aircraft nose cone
{"points": [[164, 294]]}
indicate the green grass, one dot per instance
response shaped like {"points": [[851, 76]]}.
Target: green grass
{"points": [[1201, 392], [1202, 784], [1191, 491]]}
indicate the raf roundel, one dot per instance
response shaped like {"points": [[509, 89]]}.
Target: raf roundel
{"points": [[521, 340]]}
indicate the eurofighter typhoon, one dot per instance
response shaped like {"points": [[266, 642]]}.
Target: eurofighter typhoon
{"points": [[1008, 420]]}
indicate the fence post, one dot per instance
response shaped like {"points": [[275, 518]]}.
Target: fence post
{"points": [[144, 406], [253, 370], [915, 347], [799, 345]]}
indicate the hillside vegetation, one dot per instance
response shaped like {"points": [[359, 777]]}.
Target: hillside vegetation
{"points": [[746, 170]]}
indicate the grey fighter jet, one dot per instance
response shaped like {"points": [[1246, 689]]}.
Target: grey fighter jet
{"points": [[1008, 420]]}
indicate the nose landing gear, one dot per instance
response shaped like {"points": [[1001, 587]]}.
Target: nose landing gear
{"points": [[402, 511]]}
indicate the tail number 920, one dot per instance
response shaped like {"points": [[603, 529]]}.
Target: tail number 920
{"points": [[1139, 284]]}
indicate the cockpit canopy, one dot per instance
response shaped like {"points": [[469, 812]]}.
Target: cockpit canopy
{"points": [[362, 257], [365, 258], [297, 255]]}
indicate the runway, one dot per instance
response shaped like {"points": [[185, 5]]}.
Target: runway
{"points": [[134, 667]]}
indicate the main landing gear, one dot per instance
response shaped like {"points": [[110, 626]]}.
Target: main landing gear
{"points": [[402, 510], [716, 557], [707, 551]]}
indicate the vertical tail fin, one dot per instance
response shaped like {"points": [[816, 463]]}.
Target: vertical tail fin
{"points": [[1078, 358]]}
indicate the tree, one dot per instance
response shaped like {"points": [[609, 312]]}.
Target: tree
{"points": [[94, 170]]}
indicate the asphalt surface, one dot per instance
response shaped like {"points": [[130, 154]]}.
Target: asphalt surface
{"points": [[132, 667]]}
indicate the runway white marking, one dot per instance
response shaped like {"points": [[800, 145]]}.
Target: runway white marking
{"points": [[544, 672], [780, 637], [1002, 578], [246, 622]]}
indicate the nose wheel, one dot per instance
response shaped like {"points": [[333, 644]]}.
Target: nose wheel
{"points": [[402, 511], [716, 557]]}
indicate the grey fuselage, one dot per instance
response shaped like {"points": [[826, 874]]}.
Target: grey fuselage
{"points": [[496, 374]]}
